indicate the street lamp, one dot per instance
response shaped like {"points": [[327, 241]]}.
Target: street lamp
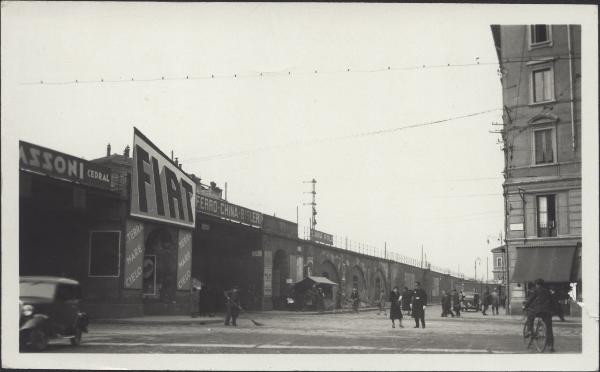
{"points": [[478, 259]]}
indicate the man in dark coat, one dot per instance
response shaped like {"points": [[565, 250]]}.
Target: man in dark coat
{"points": [[486, 300], [232, 305], [406, 299], [446, 304], [456, 302], [541, 304], [418, 304]]}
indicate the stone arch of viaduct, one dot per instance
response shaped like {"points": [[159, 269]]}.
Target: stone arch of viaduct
{"points": [[287, 259]]}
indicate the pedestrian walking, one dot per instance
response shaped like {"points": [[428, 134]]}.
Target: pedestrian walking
{"points": [[418, 305], [406, 299], [455, 297], [381, 302], [354, 297], [486, 301], [446, 304], [232, 305], [395, 310], [495, 300]]}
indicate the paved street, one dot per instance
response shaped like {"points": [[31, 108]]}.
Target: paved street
{"points": [[283, 332]]}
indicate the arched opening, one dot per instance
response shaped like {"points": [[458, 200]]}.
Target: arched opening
{"points": [[356, 279], [280, 288], [160, 267], [332, 293], [379, 284]]}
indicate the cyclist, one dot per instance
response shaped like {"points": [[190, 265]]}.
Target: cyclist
{"points": [[541, 304]]}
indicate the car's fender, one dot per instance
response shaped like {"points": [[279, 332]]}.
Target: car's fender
{"points": [[37, 320]]}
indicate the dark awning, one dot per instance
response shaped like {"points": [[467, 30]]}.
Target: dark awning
{"points": [[553, 264], [309, 281]]}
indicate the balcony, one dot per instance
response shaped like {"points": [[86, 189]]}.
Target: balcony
{"points": [[547, 229]]}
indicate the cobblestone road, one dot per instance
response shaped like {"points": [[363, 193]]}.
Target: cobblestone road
{"points": [[366, 332]]}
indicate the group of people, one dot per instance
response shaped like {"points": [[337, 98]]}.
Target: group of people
{"points": [[412, 303], [451, 303]]}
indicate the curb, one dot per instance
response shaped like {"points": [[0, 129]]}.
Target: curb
{"points": [[125, 321]]}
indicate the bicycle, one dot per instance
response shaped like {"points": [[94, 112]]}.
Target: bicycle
{"points": [[537, 335]]}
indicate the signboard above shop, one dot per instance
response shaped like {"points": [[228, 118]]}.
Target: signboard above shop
{"points": [[160, 190], [223, 209], [58, 165], [321, 237]]}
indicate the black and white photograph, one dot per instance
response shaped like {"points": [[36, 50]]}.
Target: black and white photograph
{"points": [[299, 186]]}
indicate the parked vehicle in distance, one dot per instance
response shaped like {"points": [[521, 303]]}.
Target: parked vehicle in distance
{"points": [[49, 308], [470, 301]]}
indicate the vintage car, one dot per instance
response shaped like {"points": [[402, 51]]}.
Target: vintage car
{"points": [[49, 308], [470, 301]]}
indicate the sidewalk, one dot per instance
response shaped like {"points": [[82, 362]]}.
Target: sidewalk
{"points": [[217, 319], [432, 312]]}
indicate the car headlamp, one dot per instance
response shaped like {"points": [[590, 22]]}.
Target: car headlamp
{"points": [[27, 310]]}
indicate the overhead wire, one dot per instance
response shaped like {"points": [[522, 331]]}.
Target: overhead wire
{"points": [[335, 138], [290, 72]]}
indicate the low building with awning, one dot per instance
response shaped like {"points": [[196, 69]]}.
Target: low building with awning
{"points": [[305, 296]]}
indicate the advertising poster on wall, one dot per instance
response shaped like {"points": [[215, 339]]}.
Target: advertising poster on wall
{"points": [[134, 254], [184, 259], [268, 274], [160, 190], [149, 272]]}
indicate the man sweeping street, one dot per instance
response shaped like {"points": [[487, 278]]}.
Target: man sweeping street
{"points": [[232, 305]]}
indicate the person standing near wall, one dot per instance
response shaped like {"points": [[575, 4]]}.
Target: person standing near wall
{"points": [[406, 299], [395, 310], [418, 305], [354, 297]]}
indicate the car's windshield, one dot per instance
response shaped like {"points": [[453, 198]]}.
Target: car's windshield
{"points": [[37, 289]]}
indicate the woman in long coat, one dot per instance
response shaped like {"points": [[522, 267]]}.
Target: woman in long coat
{"points": [[395, 311]]}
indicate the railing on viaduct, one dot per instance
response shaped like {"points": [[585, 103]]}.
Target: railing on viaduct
{"points": [[343, 242]]}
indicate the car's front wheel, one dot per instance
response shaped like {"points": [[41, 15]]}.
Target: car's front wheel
{"points": [[76, 339], [38, 340]]}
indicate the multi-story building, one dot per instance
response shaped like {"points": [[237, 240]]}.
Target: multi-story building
{"points": [[498, 268], [540, 67]]}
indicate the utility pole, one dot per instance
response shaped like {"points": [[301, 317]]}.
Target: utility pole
{"points": [[313, 203]]}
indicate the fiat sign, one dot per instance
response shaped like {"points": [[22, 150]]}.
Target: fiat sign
{"points": [[160, 190]]}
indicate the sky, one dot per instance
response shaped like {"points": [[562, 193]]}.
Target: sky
{"points": [[438, 186]]}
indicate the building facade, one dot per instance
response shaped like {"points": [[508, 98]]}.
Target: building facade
{"points": [[498, 267], [540, 67], [76, 221]]}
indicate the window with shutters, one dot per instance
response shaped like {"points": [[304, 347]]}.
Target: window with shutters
{"points": [[544, 146], [540, 36], [546, 215], [541, 85]]}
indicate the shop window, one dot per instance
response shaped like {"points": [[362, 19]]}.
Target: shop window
{"points": [[544, 146], [104, 253], [546, 215], [542, 85], [540, 35]]}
